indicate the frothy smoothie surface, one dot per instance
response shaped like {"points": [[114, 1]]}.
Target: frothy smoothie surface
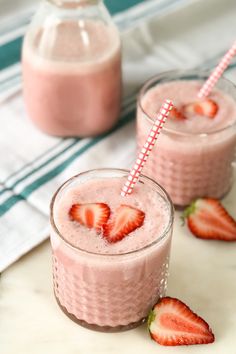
{"points": [[108, 191], [184, 92]]}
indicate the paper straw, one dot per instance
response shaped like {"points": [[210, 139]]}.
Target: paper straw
{"points": [[217, 72], [147, 148]]}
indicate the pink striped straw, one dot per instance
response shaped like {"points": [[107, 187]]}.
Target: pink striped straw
{"points": [[216, 74], [147, 148]]}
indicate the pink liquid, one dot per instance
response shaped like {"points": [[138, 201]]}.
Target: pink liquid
{"points": [[198, 162], [72, 80], [110, 285]]}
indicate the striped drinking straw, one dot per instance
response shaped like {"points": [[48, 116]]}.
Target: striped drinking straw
{"points": [[217, 72], [147, 148]]}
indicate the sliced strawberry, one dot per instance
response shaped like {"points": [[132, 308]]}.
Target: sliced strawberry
{"points": [[206, 107], [177, 114], [208, 219], [171, 322], [91, 215], [126, 219]]}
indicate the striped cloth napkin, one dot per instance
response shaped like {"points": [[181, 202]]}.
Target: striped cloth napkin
{"points": [[157, 35]]}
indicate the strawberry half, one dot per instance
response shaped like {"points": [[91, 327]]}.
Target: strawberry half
{"points": [[176, 114], [206, 107], [171, 322], [91, 215], [126, 219], [208, 219]]}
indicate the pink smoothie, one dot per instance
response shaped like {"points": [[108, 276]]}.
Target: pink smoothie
{"points": [[193, 158], [106, 284], [72, 78]]}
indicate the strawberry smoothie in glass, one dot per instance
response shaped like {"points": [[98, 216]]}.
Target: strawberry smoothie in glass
{"points": [[72, 68], [196, 149], [110, 253]]}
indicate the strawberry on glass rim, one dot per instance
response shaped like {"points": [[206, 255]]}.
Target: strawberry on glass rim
{"points": [[172, 323], [208, 219]]}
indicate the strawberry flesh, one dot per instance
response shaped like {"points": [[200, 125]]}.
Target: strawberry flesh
{"points": [[208, 219], [172, 323], [91, 215], [206, 107], [125, 220], [177, 114]]}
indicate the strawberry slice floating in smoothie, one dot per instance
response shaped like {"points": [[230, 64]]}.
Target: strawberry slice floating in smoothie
{"points": [[126, 219], [206, 107], [208, 219], [91, 215], [172, 323], [177, 114]]}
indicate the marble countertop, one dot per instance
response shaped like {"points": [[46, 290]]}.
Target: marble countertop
{"points": [[202, 274]]}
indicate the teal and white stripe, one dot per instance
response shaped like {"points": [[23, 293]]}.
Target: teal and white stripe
{"points": [[61, 147], [21, 184]]}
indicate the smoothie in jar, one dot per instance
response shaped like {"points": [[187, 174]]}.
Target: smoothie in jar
{"points": [[72, 75], [99, 283], [196, 149]]}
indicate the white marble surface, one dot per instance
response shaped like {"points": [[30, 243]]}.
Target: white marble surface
{"points": [[202, 274]]}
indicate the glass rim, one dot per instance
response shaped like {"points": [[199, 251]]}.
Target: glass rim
{"points": [[119, 170], [154, 78]]}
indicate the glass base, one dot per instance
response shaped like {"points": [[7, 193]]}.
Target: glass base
{"points": [[95, 327], [182, 207]]}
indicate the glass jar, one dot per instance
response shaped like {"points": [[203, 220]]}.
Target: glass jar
{"points": [[72, 68]]}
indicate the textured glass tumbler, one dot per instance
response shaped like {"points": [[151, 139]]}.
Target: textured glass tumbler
{"points": [[109, 292], [189, 165]]}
